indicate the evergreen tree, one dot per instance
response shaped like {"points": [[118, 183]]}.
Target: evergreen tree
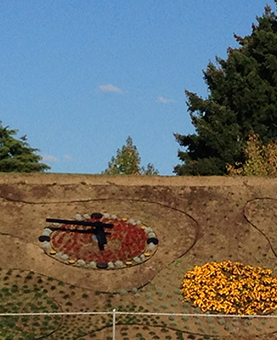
{"points": [[149, 170], [242, 96], [16, 155], [127, 162]]}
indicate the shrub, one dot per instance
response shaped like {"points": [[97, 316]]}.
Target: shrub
{"points": [[14, 289], [261, 159], [191, 336]]}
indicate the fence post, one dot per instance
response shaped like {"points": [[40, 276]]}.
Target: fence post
{"points": [[114, 311]]}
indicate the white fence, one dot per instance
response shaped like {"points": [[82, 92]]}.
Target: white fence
{"points": [[114, 313]]}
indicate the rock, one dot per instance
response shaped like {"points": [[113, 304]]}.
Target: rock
{"points": [[46, 232], [81, 262], [64, 256], [96, 215], [148, 230], [136, 259], [78, 217], [153, 240], [92, 264], [118, 264], [102, 265], [46, 245], [142, 257], [151, 246], [44, 238]]}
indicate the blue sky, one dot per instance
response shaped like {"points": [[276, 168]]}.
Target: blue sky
{"points": [[79, 76]]}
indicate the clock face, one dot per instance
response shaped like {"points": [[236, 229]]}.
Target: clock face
{"points": [[129, 242]]}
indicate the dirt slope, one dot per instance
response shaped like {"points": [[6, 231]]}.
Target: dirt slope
{"points": [[197, 219]]}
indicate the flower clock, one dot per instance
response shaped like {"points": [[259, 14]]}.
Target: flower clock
{"points": [[128, 242]]}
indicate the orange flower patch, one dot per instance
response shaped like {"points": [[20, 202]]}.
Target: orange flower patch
{"points": [[231, 288]]}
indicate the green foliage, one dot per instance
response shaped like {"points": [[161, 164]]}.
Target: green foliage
{"points": [[127, 162], [26, 327], [149, 302], [241, 97], [179, 335], [261, 159], [149, 170], [14, 289], [16, 155]]}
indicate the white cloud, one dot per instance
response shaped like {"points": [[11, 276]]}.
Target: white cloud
{"points": [[109, 88], [162, 99], [49, 159], [67, 157]]}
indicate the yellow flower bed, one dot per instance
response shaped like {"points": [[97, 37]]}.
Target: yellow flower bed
{"points": [[231, 288]]}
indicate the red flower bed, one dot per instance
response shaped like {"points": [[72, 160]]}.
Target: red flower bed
{"points": [[125, 242]]}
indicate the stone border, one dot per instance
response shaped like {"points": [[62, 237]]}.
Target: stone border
{"points": [[148, 252]]}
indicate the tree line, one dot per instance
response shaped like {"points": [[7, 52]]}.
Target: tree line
{"points": [[235, 126]]}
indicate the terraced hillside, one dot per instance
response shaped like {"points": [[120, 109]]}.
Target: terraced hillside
{"points": [[196, 220]]}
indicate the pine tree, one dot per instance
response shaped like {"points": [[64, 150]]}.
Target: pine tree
{"points": [[16, 155], [149, 170], [242, 97], [127, 162]]}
